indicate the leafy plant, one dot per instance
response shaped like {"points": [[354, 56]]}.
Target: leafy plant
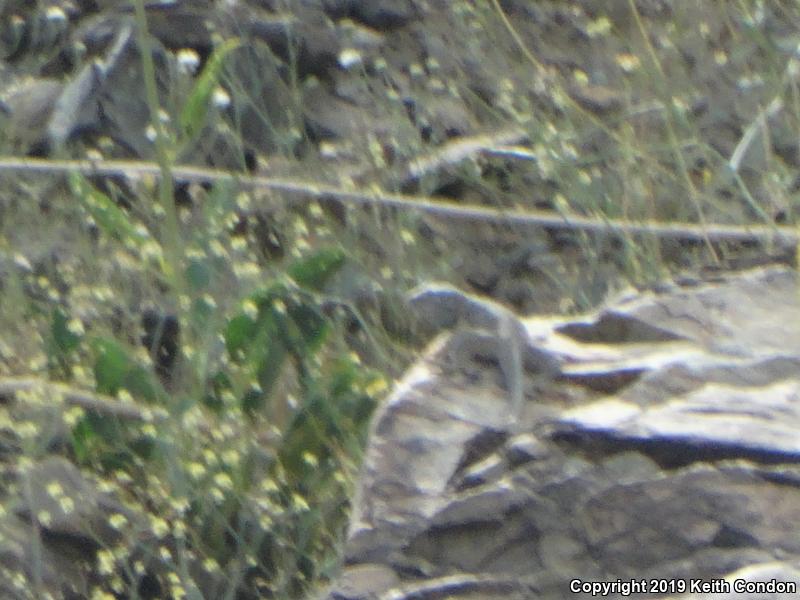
{"points": [[195, 109]]}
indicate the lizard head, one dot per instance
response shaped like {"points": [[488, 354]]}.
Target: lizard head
{"points": [[435, 306]]}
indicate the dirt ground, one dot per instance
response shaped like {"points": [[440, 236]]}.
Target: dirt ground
{"points": [[632, 110]]}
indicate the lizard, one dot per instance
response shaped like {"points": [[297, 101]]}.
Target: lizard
{"points": [[484, 328]]}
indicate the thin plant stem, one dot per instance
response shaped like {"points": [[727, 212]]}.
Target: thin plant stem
{"points": [[166, 191]]}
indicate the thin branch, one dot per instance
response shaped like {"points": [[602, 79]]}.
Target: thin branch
{"points": [[105, 405], [302, 191]]}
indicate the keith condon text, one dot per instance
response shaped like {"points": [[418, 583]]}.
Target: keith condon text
{"points": [[671, 586]]}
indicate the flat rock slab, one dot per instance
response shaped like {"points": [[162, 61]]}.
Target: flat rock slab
{"points": [[667, 451]]}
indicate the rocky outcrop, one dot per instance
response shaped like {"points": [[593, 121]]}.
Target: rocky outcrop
{"points": [[666, 454]]}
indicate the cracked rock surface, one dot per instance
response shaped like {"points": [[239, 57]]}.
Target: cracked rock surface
{"points": [[666, 452]]}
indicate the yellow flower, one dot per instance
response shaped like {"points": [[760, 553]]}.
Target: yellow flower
{"points": [[628, 62]]}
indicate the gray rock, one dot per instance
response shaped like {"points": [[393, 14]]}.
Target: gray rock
{"points": [[61, 501], [28, 107], [685, 470], [59, 520], [382, 14], [24, 559]]}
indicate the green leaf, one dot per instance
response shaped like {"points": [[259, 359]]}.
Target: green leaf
{"points": [[269, 367], [258, 344], [64, 339], [109, 218], [198, 275], [115, 369], [139, 381], [314, 271], [193, 115], [217, 386], [103, 438], [345, 376], [83, 436], [144, 447], [247, 334], [307, 322], [110, 366], [281, 322], [238, 336], [61, 343]]}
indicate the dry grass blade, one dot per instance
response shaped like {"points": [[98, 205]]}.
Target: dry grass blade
{"points": [[459, 149]]}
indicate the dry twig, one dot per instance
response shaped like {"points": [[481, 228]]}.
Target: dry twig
{"points": [[105, 405], [301, 191]]}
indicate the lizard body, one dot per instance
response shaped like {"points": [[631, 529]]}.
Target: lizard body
{"points": [[484, 328]]}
